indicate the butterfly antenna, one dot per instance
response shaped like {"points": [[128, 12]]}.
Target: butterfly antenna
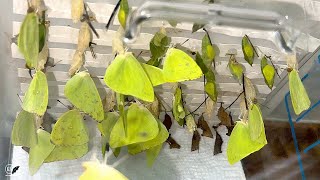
{"points": [[139, 54], [63, 104], [185, 41], [30, 73], [19, 98], [117, 163], [52, 65], [113, 14]]}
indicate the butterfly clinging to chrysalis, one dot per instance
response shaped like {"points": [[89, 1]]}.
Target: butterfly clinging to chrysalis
{"points": [[84, 37], [82, 93], [24, 131], [36, 97], [77, 62], [28, 39], [240, 144], [299, 97], [190, 122]]}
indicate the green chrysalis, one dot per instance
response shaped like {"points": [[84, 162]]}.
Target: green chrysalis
{"points": [[235, 68], [268, 72], [123, 13], [248, 50], [208, 52], [159, 45], [210, 86], [177, 108]]}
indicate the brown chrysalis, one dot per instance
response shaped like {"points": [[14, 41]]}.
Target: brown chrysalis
{"points": [[202, 124], [230, 128], [224, 116], [167, 121], [172, 143], [217, 144], [195, 141]]}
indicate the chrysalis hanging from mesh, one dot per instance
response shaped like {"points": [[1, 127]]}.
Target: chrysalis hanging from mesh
{"points": [[84, 37], [77, 62], [77, 8]]}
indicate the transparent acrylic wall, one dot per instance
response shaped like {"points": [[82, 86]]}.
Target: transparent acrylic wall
{"points": [[171, 164]]}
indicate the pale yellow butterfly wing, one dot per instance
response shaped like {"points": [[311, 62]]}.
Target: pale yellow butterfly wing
{"points": [[255, 123], [240, 144], [141, 127], [61, 153], [70, 130], [40, 152], [299, 96], [155, 74], [36, 97], [97, 171], [125, 75], [179, 66], [83, 93], [24, 131]]}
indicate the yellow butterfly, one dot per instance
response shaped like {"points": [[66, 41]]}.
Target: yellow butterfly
{"points": [[299, 96]]}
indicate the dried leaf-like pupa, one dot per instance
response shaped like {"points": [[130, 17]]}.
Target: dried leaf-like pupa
{"points": [[84, 37], [243, 109], [77, 8], [209, 110], [190, 121], [153, 107], [250, 91], [117, 43], [77, 62], [43, 57], [109, 101]]}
